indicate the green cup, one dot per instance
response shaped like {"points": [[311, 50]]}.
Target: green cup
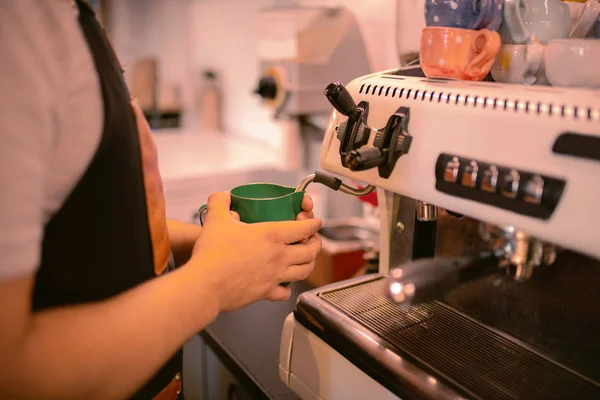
{"points": [[263, 202]]}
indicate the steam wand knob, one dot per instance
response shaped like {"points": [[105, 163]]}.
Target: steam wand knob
{"points": [[365, 158]]}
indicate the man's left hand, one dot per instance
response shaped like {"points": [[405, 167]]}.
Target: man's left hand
{"points": [[307, 208]]}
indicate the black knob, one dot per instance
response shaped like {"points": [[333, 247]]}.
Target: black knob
{"points": [[365, 158], [341, 100], [267, 88]]}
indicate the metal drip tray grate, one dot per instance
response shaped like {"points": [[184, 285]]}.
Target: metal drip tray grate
{"points": [[468, 354]]}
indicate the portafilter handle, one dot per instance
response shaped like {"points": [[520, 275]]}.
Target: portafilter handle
{"points": [[430, 279]]}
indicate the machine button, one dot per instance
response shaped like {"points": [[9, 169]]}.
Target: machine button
{"points": [[469, 176], [510, 186], [451, 170], [490, 179], [534, 188]]}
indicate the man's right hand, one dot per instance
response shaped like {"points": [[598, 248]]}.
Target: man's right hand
{"points": [[245, 263]]}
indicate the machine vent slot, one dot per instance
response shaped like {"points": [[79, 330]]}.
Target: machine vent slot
{"points": [[496, 103], [459, 349]]}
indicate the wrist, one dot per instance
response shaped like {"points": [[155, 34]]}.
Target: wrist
{"points": [[203, 294]]}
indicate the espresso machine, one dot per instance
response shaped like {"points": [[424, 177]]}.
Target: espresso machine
{"points": [[489, 271]]}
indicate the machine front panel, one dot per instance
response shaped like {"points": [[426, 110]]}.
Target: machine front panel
{"points": [[504, 154]]}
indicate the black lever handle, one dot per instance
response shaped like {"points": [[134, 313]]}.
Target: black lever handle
{"points": [[430, 279], [341, 100], [365, 158]]}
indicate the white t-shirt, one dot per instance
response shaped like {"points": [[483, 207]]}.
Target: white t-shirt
{"points": [[51, 117]]}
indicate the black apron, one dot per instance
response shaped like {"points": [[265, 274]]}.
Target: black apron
{"points": [[99, 243]]}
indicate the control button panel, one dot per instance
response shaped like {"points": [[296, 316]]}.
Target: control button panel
{"points": [[523, 192]]}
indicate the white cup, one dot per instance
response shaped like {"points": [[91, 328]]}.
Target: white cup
{"points": [[573, 63], [520, 63], [574, 9], [584, 22]]}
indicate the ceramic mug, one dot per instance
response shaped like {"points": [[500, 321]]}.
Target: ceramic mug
{"points": [[520, 63], [574, 9], [458, 53], [534, 21], [465, 14], [573, 63], [585, 20]]}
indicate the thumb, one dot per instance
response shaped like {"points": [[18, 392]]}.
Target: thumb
{"points": [[219, 203]]}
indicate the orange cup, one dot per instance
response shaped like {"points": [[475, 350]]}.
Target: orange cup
{"points": [[458, 53]]}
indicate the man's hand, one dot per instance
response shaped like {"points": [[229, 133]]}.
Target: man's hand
{"points": [[245, 263], [307, 209], [184, 235]]}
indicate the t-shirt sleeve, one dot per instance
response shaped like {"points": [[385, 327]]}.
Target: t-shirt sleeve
{"points": [[26, 135]]}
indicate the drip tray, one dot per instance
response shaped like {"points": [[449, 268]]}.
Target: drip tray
{"points": [[467, 356]]}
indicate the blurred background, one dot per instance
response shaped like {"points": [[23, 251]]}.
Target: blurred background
{"points": [[196, 65]]}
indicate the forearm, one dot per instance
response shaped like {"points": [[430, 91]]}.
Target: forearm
{"points": [[109, 350], [183, 236]]}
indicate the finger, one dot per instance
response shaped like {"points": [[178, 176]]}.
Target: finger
{"points": [[303, 253], [219, 203], [234, 215], [295, 231], [305, 215], [298, 272], [307, 203], [280, 293]]}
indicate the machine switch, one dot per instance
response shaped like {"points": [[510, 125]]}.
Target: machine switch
{"points": [[354, 132], [469, 176], [451, 170], [534, 189], [490, 179], [510, 186]]}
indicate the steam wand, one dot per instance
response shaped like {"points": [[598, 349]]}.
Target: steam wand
{"points": [[333, 183]]}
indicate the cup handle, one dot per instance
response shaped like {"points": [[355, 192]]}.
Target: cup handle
{"points": [[514, 21], [534, 56], [486, 53], [202, 213]]}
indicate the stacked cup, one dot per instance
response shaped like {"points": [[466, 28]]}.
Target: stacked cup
{"points": [[528, 26], [573, 61], [461, 39]]}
